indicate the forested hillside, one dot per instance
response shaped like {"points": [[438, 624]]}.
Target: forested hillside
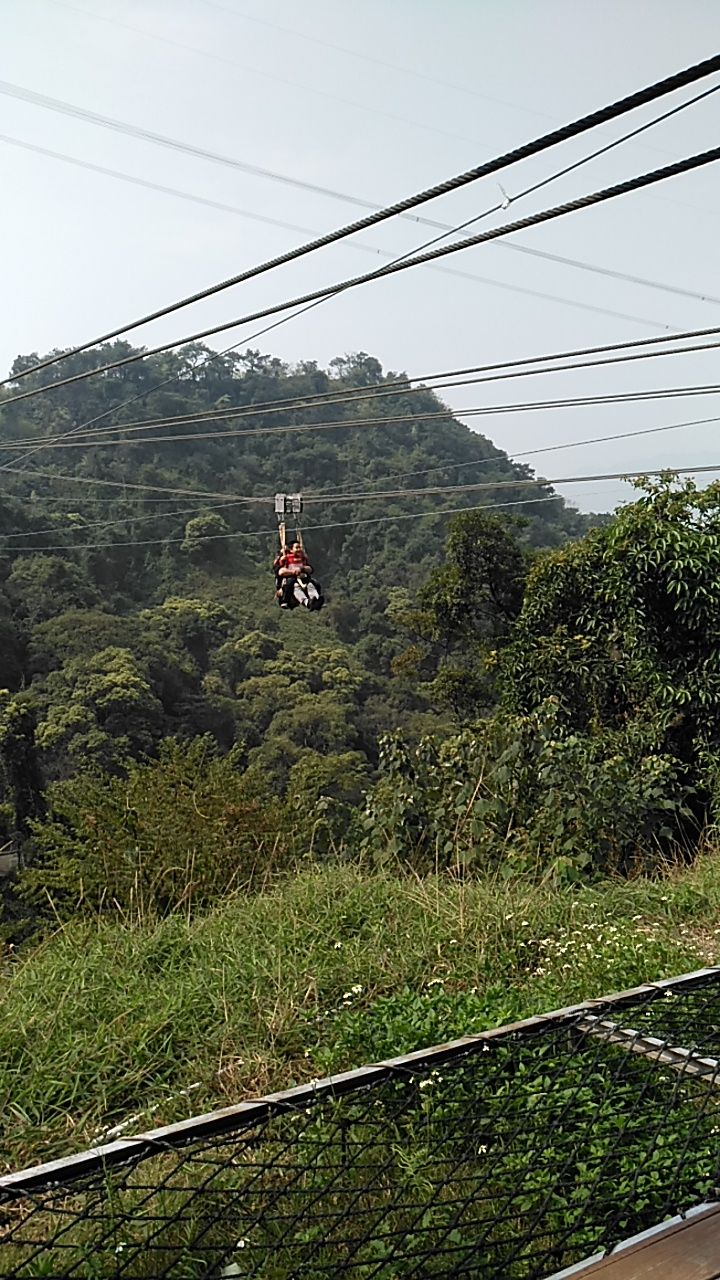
{"points": [[133, 611], [254, 845]]}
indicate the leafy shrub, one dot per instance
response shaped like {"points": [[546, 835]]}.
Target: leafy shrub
{"points": [[605, 751], [465, 606], [176, 833], [523, 793], [100, 713], [623, 628]]}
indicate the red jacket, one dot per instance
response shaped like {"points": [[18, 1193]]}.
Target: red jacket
{"points": [[293, 561]]}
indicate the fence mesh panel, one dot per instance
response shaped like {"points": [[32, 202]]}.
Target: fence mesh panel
{"points": [[515, 1155]]}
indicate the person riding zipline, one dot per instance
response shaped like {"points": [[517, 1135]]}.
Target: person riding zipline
{"points": [[291, 566], [294, 582]]}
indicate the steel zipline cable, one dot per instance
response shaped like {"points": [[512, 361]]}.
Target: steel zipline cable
{"points": [[433, 491], [211, 357], [525, 453], [253, 216], [399, 420], [232, 498], [686, 165], [89, 438], [377, 252], [402, 386], [539, 482], [275, 405], [265, 533], [429, 222], [127, 519], [140, 395], [610, 112], [321, 495], [125, 485]]}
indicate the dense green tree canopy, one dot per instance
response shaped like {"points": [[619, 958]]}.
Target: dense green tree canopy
{"points": [[466, 606], [133, 615], [604, 751]]}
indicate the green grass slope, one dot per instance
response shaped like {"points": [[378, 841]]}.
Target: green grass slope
{"points": [[108, 1024]]}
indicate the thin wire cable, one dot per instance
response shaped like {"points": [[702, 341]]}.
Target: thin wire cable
{"points": [[320, 495], [56, 477], [251, 411], [415, 515], [537, 186], [172, 378], [398, 386], [495, 459], [431, 491], [233, 346], [364, 57], [405, 419], [526, 453], [514, 247], [267, 75], [687, 165], [130, 519], [64, 478], [32, 498], [127, 519], [386, 253], [639, 98], [53, 477], [447, 227], [609, 273], [266, 533], [430, 222]]}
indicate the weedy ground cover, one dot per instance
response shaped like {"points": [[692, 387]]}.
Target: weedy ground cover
{"points": [[108, 1024]]}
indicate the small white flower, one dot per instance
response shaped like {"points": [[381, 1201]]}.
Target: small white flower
{"points": [[337, 945], [482, 1150]]}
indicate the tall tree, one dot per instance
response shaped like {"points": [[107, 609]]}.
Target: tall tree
{"points": [[464, 611]]}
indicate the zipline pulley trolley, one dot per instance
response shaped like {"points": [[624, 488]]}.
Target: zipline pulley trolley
{"points": [[288, 504]]}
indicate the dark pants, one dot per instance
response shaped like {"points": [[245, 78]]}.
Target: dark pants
{"points": [[286, 585]]}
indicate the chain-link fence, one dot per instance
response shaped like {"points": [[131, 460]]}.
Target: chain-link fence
{"points": [[512, 1154]]}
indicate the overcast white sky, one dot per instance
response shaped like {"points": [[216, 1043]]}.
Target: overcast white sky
{"points": [[376, 100]]}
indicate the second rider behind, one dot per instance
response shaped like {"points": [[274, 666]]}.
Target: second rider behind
{"points": [[289, 565]]}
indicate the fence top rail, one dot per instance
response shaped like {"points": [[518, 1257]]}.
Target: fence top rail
{"points": [[245, 1115]]}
